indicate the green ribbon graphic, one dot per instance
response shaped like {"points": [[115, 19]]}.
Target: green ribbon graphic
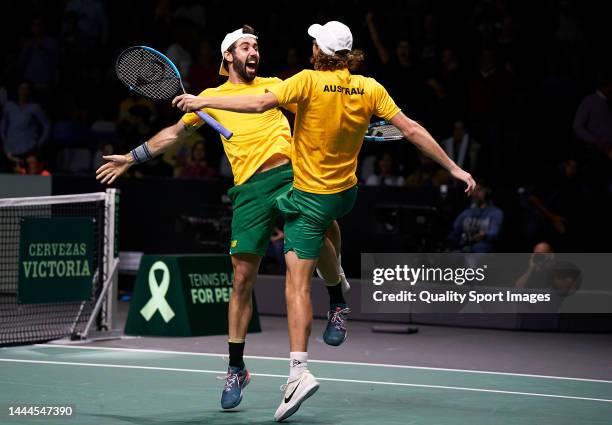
{"points": [[158, 294]]}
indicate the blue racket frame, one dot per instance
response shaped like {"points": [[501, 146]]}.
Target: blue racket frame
{"points": [[203, 115]]}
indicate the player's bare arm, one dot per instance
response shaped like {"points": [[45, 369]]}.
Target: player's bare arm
{"points": [[420, 137], [253, 104], [119, 164]]}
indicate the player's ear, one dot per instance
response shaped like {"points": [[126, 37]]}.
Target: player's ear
{"points": [[229, 58]]}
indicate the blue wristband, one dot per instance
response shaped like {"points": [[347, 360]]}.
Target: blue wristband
{"points": [[141, 153]]}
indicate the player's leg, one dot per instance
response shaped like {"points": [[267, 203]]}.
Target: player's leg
{"points": [[336, 206], [240, 310], [307, 217], [252, 224], [330, 270], [328, 265], [301, 384], [299, 305]]}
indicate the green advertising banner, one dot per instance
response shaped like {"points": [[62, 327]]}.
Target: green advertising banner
{"points": [[55, 259], [185, 295]]}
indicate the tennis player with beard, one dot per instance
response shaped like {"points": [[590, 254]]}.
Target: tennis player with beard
{"points": [[259, 153], [333, 113]]}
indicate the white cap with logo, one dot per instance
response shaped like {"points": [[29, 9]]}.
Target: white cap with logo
{"points": [[230, 39], [332, 37]]}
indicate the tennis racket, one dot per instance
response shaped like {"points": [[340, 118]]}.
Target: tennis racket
{"points": [[382, 131], [151, 74]]}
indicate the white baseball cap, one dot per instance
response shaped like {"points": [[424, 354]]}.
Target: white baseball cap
{"points": [[332, 37], [230, 39]]}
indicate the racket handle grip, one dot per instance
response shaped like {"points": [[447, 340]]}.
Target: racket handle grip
{"points": [[215, 124]]}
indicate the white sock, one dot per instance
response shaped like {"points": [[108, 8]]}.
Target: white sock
{"points": [[298, 363]]}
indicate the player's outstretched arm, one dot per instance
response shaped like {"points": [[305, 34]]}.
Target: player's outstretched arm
{"points": [[253, 104], [420, 137], [117, 165]]}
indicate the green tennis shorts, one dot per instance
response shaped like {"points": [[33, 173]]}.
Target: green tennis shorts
{"points": [[307, 217], [255, 209]]}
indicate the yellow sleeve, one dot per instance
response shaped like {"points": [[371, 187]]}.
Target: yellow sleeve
{"points": [[191, 119], [293, 90], [291, 107], [384, 106]]}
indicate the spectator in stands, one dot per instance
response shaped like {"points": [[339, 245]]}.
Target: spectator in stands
{"points": [[91, 22], [385, 174], [401, 73], [477, 228], [34, 166], [39, 58], [198, 168], [71, 128], [192, 11], [451, 77], [429, 42], [180, 156], [85, 33], [539, 265], [546, 272], [204, 72], [568, 37], [554, 208], [71, 52], [24, 125], [129, 112], [461, 148], [488, 99], [506, 44], [178, 52], [593, 127], [161, 23], [136, 116], [487, 19], [428, 174]]}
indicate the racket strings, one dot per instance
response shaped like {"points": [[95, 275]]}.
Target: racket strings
{"points": [[386, 131], [147, 74]]}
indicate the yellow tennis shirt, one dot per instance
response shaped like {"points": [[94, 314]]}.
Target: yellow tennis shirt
{"points": [[256, 136], [333, 113]]}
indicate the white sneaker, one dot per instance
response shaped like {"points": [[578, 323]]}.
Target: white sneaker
{"points": [[294, 394]]}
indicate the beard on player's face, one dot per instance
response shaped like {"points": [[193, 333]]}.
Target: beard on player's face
{"points": [[247, 69]]}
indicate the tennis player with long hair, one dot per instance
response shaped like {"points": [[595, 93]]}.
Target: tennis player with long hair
{"points": [[259, 154], [333, 113]]}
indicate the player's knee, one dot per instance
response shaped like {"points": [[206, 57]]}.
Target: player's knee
{"points": [[295, 288], [243, 285]]}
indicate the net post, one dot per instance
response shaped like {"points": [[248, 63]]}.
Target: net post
{"points": [[106, 304], [111, 224], [106, 291]]}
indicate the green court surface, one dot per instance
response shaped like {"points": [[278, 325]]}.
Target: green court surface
{"points": [[127, 386]]}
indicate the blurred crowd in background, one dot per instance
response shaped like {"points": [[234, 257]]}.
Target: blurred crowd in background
{"points": [[518, 93]]}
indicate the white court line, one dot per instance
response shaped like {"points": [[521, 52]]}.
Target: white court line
{"points": [[352, 381], [187, 353]]}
